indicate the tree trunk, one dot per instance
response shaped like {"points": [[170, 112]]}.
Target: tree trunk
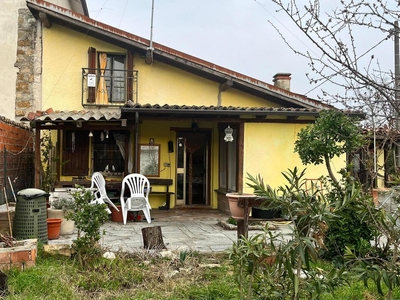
{"points": [[152, 238]]}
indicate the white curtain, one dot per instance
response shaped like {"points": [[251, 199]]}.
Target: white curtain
{"points": [[120, 141]]}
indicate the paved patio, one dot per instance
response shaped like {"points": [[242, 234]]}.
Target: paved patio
{"points": [[195, 229]]}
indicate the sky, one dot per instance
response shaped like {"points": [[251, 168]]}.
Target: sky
{"points": [[235, 34]]}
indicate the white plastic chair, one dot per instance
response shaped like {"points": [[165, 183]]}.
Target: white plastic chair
{"points": [[139, 187], [98, 188]]}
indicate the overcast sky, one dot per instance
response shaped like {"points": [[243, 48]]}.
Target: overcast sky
{"points": [[235, 34]]}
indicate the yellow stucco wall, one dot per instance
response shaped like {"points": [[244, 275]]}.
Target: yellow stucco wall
{"points": [[380, 162], [65, 53], [269, 150], [268, 147]]}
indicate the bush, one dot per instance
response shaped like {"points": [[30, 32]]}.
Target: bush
{"points": [[88, 217], [63, 203]]}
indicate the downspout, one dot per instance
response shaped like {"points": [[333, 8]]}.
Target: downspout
{"points": [[136, 168], [222, 88]]}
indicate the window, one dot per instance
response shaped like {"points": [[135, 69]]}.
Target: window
{"points": [[228, 160], [107, 151], [115, 78]]}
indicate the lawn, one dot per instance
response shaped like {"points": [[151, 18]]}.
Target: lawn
{"points": [[145, 275]]}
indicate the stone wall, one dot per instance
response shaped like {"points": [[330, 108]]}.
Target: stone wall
{"points": [[28, 62]]}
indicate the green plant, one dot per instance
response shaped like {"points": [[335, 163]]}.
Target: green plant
{"points": [[332, 134], [310, 213], [49, 175], [352, 228], [232, 221], [63, 203], [88, 217], [48, 160]]}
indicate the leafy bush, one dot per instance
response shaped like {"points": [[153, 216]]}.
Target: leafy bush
{"points": [[88, 217], [353, 228], [63, 203]]}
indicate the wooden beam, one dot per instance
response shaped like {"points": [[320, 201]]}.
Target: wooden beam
{"points": [[45, 20]]}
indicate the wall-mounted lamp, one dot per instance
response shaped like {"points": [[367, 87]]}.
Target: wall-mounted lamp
{"points": [[90, 134], [151, 141], [194, 127], [79, 124], [228, 134]]}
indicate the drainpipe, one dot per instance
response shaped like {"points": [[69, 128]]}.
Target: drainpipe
{"points": [[222, 88], [136, 167]]}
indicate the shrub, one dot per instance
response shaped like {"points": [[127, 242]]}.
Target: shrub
{"points": [[88, 217], [63, 203]]}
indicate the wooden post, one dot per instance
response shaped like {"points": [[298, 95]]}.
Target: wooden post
{"points": [[243, 225], [152, 238]]}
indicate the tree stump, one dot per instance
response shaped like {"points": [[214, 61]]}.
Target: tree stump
{"points": [[152, 238]]}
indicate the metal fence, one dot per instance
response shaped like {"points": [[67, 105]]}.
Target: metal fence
{"points": [[16, 172]]}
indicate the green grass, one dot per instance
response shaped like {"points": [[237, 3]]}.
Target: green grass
{"points": [[144, 275]]}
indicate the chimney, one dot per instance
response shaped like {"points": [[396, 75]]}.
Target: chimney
{"points": [[282, 80]]}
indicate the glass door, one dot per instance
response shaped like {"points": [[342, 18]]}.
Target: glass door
{"points": [[181, 171]]}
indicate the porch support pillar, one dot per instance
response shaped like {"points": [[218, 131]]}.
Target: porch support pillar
{"points": [[136, 161], [37, 157]]}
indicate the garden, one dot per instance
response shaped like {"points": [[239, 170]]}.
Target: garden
{"points": [[342, 246]]}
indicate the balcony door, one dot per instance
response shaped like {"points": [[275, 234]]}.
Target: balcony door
{"points": [[115, 78]]}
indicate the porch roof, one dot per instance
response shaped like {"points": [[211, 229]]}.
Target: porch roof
{"points": [[193, 111], [72, 116]]}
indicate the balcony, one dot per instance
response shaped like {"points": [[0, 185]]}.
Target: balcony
{"points": [[109, 87]]}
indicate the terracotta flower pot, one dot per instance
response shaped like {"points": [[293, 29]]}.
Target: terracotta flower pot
{"points": [[236, 211], [53, 228], [67, 226], [116, 216]]}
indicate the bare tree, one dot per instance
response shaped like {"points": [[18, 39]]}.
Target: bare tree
{"points": [[344, 40]]}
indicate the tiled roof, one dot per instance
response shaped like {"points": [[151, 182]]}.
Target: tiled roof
{"points": [[171, 56], [215, 110], [73, 115]]}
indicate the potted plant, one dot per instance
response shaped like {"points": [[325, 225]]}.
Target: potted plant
{"points": [[116, 216], [59, 208], [264, 212], [233, 199]]}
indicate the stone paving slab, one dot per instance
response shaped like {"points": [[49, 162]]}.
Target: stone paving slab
{"points": [[185, 230]]}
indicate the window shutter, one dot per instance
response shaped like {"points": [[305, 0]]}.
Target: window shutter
{"points": [[92, 70], [75, 153], [129, 74]]}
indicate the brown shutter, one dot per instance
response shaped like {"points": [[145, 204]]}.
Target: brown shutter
{"points": [[92, 70], [75, 155], [129, 74]]}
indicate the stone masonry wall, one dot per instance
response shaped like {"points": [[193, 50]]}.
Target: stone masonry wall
{"points": [[28, 62]]}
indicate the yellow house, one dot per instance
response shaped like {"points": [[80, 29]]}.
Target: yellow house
{"points": [[118, 103]]}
